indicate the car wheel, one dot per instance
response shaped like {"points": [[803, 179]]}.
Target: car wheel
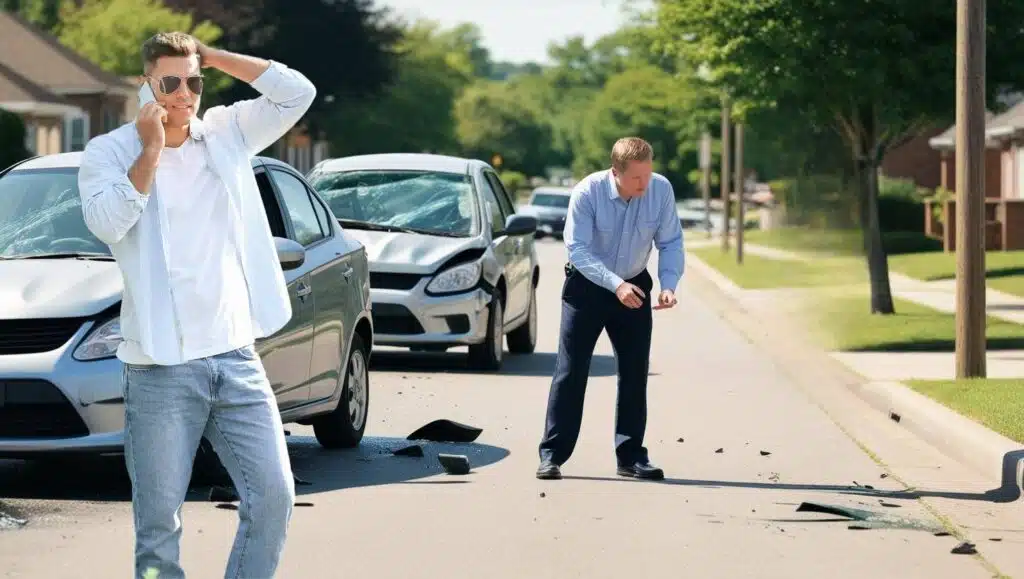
{"points": [[344, 427], [523, 339], [488, 354]]}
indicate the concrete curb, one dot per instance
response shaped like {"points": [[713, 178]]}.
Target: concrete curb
{"points": [[958, 437]]}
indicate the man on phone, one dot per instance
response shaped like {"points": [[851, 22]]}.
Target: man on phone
{"points": [[175, 198], [614, 217]]}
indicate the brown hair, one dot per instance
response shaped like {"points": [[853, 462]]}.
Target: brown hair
{"points": [[167, 44], [629, 149]]}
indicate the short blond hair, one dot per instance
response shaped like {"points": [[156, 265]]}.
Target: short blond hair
{"points": [[629, 149], [167, 44]]}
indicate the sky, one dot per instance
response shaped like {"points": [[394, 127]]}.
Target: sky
{"points": [[520, 30]]}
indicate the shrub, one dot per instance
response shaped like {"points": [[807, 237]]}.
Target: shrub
{"points": [[513, 181], [12, 140]]}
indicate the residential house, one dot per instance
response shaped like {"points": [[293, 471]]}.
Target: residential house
{"points": [[1004, 182], [57, 92]]}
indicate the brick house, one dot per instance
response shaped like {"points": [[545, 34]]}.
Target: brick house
{"points": [[63, 98], [1004, 182]]}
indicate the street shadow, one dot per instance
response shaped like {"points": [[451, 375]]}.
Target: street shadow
{"points": [[1008, 491], [536, 364], [1001, 343], [105, 479], [1005, 307]]}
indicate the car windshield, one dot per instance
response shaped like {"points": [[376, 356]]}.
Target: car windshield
{"points": [[41, 216], [550, 200], [429, 202]]}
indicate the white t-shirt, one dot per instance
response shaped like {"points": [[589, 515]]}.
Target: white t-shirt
{"points": [[208, 286]]}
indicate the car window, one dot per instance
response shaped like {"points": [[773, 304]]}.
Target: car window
{"points": [[497, 214], [322, 215], [299, 205], [41, 212], [507, 206], [420, 201], [550, 200], [270, 205]]}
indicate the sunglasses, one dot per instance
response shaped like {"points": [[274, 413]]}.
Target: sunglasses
{"points": [[170, 84]]}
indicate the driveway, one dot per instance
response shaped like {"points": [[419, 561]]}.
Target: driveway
{"points": [[742, 447]]}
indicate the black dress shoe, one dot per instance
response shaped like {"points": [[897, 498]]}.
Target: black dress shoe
{"points": [[549, 471], [643, 470]]}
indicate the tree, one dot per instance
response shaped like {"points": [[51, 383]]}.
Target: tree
{"points": [[490, 120], [650, 103], [415, 111], [345, 47], [42, 13], [111, 32], [877, 72]]}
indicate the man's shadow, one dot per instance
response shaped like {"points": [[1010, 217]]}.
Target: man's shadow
{"points": [[1008, 491]]}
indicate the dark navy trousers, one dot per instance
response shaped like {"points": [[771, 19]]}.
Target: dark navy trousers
{"points": [[587, 309]]}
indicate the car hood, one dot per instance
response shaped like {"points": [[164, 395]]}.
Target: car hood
{"points": [[57, 288], [410, 252]]}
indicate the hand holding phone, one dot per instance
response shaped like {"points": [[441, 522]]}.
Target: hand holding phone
{"points": [[150, 122]]}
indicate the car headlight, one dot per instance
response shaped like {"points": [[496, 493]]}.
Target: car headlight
{"points": [[102, 342], [456, 279]]}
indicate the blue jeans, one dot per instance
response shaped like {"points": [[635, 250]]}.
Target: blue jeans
{"points": [[168, 409]]}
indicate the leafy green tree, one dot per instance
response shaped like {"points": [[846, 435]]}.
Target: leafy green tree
{"points": [[650, 103], [110, 32], [490, 120], [415, 112], [42, 13], [877, 72]]}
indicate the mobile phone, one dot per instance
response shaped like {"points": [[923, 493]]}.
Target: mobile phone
{"points": [[146, 95]]}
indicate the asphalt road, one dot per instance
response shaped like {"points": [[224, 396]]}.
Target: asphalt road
{"points": [[727, 509]]}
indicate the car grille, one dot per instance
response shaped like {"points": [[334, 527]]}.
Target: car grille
{"points": [[458, 323], [37, 409], [395, 319], [35, 336], [394, 281]]}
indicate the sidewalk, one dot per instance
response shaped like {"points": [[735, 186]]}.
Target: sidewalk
{"points": [[878, 374]]}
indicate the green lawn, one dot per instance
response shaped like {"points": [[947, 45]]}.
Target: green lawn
{"points": [[844, 323], [1004, 269], [997, 404], [838, 241], [758, 272]]}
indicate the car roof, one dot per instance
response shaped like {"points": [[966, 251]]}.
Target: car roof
{"points": [[553, 191], [73, 160], [392, 161]]}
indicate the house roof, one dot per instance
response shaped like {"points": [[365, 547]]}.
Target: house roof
{"points": [[20, 95], [947, 139], [39, 57], [1006, 122]]}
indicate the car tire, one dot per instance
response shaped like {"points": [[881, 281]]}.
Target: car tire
{"points": [[488, 354], [523, 340], [344, 427]]}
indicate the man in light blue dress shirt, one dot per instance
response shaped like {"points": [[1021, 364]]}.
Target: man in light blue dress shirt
{"points": [[615, 217]]}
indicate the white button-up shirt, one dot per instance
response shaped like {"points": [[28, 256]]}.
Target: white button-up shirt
{"points": [[137, 227]]}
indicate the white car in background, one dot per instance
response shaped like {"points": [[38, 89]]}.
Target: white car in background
{"points": [[451, 261]]}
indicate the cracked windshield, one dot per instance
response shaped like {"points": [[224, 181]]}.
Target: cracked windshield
{"points": [[41, 215], [427, 202]]}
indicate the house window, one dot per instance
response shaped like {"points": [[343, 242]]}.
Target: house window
{"points": [[111, 120], [31, 138], [76, 132]]}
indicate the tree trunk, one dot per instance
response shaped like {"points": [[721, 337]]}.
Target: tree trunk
{"points": [[878, 261]]}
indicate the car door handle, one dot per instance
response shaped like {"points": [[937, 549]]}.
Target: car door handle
{"points": [[303, 290]]}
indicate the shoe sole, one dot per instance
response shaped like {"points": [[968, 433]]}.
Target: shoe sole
{"points": [[633, 474], [549, 476]]}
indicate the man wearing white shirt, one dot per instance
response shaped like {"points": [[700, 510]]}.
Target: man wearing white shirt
{"points": [[175, 198]]}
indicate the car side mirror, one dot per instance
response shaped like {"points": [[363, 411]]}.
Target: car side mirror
{"points": [[289, 253], [518, 224]]}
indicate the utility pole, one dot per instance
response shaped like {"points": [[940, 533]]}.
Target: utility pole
{"points": [[705, 182], [740, 189], [970, 189], [726, 208]]}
